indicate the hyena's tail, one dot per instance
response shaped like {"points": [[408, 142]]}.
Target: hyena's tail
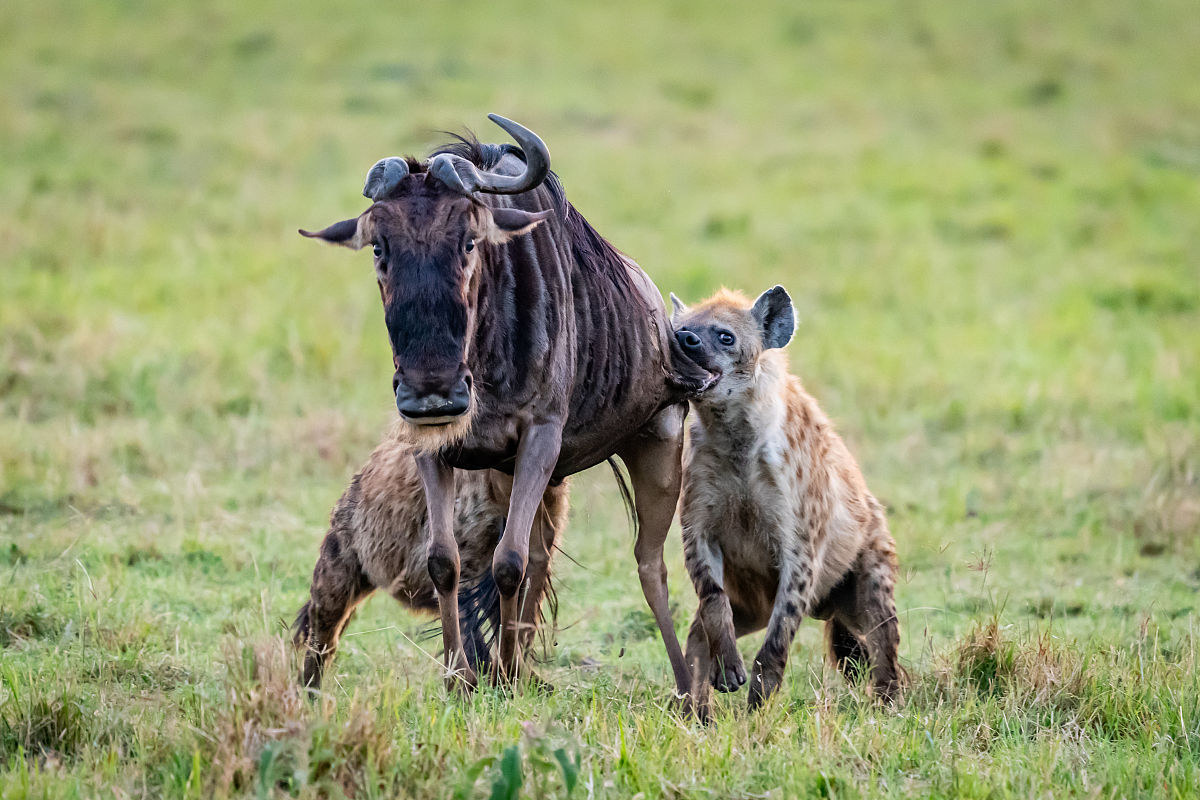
{"points": [[302, 627], [626, 492]]}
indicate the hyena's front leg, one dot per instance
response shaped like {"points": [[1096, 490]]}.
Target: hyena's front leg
{"points": [[794, 582], [706, 566]]}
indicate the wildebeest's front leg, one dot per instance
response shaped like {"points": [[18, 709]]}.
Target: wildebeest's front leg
{"points": [[795, 578], [438, 479], [653, 459], [537, 454]]}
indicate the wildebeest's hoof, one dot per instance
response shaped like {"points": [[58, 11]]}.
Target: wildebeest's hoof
{"points": [[690, 708], [462, 679]]}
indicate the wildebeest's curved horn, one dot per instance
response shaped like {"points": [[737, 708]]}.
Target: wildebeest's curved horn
{"points": [[463, 176], [384, 177]]}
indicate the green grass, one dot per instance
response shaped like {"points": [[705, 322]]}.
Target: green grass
{"points": [[987, 215]]}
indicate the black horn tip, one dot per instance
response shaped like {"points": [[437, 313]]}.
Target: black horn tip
{"points": [[303, 232], [537, 161]]}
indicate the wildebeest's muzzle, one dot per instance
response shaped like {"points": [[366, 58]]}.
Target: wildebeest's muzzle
{"points": [[432, 398], [698, 352]]}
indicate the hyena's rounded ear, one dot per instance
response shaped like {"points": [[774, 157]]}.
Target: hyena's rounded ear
{"points": [[775, 316], [347, 233], [677, 306]]}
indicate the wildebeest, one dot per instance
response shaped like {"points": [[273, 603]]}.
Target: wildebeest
{"points": [[523, 342], [377, 540], [778, 523]]}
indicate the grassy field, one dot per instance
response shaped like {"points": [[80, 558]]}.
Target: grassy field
{"points": [[989, 217]]}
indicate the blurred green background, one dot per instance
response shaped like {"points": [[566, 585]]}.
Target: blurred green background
{"points": [[989, 218]]}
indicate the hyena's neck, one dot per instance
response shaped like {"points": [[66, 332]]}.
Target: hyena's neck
{"points": [[737, 418]]}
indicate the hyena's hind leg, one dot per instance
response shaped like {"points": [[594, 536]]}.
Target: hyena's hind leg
{"points": [[847, 653], [338, 586], [864, 621]]}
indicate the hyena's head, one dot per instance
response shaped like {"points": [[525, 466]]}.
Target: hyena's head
{"points": [[727, 334]]}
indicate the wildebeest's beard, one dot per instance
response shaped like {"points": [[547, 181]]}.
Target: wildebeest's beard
{"points": [[426, 309]]}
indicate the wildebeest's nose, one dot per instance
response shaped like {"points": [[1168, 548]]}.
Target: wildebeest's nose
{"points": [[689, 340], [424, 406]]}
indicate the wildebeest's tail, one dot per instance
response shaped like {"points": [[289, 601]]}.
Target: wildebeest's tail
{"points": [[626, 492]]}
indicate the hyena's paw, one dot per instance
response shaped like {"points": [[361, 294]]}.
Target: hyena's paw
{"points": [[886, 691], [763, 683], [728, 671]]}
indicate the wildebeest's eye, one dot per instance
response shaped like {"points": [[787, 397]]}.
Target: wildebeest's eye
{"points": [[726, 338], [470, 245], [378, 251]]}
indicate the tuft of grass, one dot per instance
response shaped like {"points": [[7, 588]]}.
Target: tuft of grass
{"points": [[19, 625], [985, 660], [44, 727], [268, 736]]}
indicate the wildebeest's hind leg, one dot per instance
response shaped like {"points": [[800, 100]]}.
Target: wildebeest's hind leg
{"points": [[654, 460], [338, 586], [550, 521]]}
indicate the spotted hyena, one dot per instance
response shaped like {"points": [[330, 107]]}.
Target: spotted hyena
{"points": [[378, 540], [778, 523]]}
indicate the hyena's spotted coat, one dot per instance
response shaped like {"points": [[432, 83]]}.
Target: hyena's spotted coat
{"points": [[378, 539], [778, 523]]}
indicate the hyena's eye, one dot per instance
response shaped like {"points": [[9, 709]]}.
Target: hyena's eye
{"points": [[726, 338]]}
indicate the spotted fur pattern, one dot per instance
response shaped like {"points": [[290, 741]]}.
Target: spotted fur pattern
{"points": [[778, 523], [378, 540]]}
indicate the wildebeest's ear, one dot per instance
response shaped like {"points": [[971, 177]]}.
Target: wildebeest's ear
{"points": [[508, 223], [775, 316], [677, 306], [347, 233]]}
